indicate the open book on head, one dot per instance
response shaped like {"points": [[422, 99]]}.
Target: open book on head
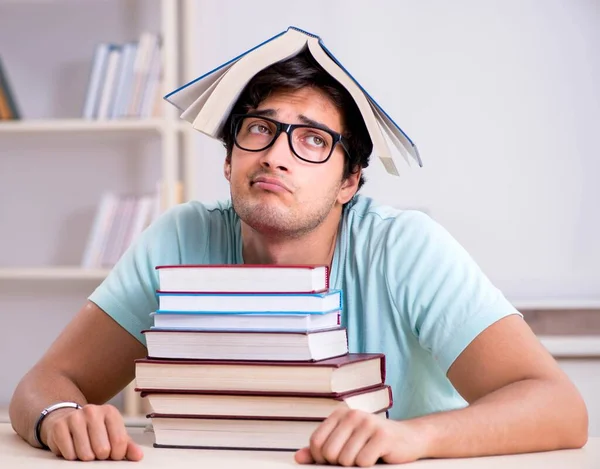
{"points": [[207, 101]]}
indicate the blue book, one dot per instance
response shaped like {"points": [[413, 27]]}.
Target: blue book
{"points": [[207, 101], [244, 303]]}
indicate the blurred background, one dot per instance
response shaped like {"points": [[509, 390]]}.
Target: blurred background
{"points": [[501, 98]]}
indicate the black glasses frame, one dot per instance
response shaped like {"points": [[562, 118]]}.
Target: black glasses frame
{"points": [[236, 119]]}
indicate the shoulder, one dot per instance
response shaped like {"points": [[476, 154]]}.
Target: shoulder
{"points": [[407, 240], [367, 217]]}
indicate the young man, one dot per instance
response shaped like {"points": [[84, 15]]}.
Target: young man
{"points": [[469, 377]]}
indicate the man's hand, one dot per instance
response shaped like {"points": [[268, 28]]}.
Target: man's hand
{"points": [[94, 432], [356, 438]]}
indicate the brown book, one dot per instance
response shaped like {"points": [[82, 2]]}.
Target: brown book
{"points": [[246, 345], [5, 113], [349, 372], [224, 432], [372, 400]]}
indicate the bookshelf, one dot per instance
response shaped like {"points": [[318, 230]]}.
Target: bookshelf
{"points": [[124, 155], [41, 126], [52, 273]]}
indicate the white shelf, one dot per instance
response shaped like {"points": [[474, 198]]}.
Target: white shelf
{"points": [[82, 125], [556, 304], [52, 273], [572, 346]]}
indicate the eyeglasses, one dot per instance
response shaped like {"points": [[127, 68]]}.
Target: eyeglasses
{"points": [[254, 132]]}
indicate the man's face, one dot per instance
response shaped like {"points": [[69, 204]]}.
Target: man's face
{"points": [[276, 193]]}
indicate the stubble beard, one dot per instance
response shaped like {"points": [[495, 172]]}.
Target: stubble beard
{"points": [[280, 222]]}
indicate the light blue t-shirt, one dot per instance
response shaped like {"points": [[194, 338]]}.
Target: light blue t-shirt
{"points": [[410, 290]]}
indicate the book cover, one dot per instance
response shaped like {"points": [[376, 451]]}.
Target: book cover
{"points": [[206, 101], [240, 303], [243, 278]]}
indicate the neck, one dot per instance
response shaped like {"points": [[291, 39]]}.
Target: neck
{"points": [[314, 247]]}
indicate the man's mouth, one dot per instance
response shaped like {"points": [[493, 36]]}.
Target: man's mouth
{"points": [[270, 184]]}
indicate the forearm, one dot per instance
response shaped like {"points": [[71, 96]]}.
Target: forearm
{"points": [[525, 416], [37, 390]]}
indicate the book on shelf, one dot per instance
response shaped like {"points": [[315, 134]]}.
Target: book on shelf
{"points": [[246, 345], [248, 321], [230, 432], [372, 400], [245, 278], [125, 80], [207, 101], [240, 303], [335, 375], [9, 110], [118, 221]]}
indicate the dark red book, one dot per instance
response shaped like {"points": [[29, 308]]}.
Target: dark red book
{"points": [[349, 372], [243, 278], [244, 404], [225, 432]]}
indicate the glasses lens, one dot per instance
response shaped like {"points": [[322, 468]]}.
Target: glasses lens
{"points": [[254, 133], [311, 143]]}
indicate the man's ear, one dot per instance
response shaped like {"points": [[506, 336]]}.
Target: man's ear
{"points": [[227, 169], [349, 187]]}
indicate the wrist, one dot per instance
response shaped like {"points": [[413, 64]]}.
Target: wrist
{"points": [[47, 417], [426, 436]]}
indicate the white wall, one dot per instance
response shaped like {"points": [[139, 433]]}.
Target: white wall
{"points": [[50, 184], [502, 99]]}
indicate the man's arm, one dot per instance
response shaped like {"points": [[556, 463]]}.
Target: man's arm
{"points": [[90, 362], [520, 401]]}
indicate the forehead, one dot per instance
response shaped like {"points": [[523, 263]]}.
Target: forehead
{"points": [[310, 102]]}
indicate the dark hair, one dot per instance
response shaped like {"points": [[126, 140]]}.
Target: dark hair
{"points": [[299, 72]]}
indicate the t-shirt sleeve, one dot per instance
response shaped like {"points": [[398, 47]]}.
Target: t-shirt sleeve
{"points": [[440, 289], [128, 294]]}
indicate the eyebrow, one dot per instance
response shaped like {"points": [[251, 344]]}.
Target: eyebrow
{"points": [[302, 117]]}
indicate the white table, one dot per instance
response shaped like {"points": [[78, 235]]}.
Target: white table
{"points": [[16, 454]]}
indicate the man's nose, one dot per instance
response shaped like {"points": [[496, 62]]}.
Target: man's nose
{"points": [[278, 155]]}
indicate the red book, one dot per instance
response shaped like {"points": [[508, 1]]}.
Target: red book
{"points": [[243, 404], [225, 432], [243, 278], [349, 372]]}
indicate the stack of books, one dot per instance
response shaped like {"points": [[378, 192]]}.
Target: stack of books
{"points": [[251, 357]]}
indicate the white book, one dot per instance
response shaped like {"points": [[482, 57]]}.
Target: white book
{"points": [[251, 302], [243, 278], [109, 85], [250, 321], [207, 101], [246, 345], [94, 91]]}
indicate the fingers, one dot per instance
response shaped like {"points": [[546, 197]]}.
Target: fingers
{"points": [[320, 435], [134, 452], [95, 432], [336, 441], [61, 443], [81, 438], [117, 435], [303, 456], [347, 438], [352, 452], [370, 452]]}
